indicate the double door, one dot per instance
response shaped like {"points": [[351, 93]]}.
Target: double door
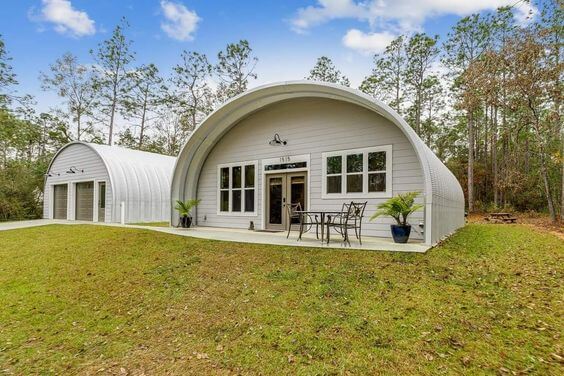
{"points": [[282, 190]]}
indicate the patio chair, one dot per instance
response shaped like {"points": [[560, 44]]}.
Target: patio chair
{"points": [[305, 220], [349, 218]]}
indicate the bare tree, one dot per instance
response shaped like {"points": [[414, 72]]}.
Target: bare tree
{"points": [[72, 82]]}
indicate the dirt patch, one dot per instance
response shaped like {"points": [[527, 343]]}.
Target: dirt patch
{"points": [[539, 221]]}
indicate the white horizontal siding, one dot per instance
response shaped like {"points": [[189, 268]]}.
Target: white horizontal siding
{"points": [[311, 126], [83, 158]]}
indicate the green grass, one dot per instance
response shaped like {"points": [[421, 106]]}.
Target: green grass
{"points": [[152, 224], [87, 299]]}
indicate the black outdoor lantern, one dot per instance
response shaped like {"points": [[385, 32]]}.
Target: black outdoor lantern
{"points": [[277, 141]]}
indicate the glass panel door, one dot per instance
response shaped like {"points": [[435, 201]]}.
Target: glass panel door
{"points": [[297, 188], [284, 189], [275, 196]]}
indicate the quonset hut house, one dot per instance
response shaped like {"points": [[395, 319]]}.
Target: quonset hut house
{"points": [[101, 183], [318, 144]]}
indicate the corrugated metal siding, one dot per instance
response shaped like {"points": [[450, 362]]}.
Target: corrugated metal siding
{"points": [[448, 199], [311, 126], [141, 180], [84, 158]]}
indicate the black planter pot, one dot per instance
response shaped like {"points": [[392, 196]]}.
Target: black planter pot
{"points": [[185, 222], [400, 233]]}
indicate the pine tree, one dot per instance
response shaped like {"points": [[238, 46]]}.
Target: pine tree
{"points": [[144, 95], [386, 82], [7, 75], [324, 70], [421, 51], [235, 66], [191, 97], [468, 40], [113, 58]]}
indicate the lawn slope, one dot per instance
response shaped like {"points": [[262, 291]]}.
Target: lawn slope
{"points": [[87, 299]]}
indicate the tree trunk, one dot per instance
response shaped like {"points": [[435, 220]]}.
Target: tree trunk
{"points": [[562, 177], [397, 96], [114, 103], [470, 121], [143, 115], [494, 159], [111, 131], [544, 174], [485, 152], [527, 153], [418, 114], [78, 126]]}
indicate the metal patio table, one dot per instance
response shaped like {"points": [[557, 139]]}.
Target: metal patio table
{"points": [[322, 215]]}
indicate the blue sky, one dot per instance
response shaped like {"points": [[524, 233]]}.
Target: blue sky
{"points": [[287, 36]]}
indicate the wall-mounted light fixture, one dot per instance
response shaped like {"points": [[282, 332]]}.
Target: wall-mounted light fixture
{"points": [[48, 175], [277, 141], [73, 170]]}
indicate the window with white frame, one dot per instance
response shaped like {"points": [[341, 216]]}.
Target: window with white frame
{"points": [[357, 173], [237, 188]]}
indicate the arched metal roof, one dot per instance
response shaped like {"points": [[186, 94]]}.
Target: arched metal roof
{"points": [[139, 179], [444, 199]]}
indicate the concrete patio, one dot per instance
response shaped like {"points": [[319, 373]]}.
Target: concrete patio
{"points": [[245, 236]]}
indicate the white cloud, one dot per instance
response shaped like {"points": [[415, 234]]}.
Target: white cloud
{"points": [[367, 43], [66, 19], [181, 22], [400, 15], [326, 11], [525, 13]]}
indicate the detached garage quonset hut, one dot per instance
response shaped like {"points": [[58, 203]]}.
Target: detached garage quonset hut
{"points": [[318, 144], [102, 183]]}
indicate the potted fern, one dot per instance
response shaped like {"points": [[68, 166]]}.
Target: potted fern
{"points": [[399, 208], [184, 208]]}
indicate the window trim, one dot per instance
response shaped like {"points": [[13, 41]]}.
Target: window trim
{"points": [[364, 194], [241, 213]]}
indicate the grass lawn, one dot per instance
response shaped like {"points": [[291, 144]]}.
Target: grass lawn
{"points": [[87, 299]]}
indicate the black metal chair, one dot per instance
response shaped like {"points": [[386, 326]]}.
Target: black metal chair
{"points": [[294, 212], [349, 218]]}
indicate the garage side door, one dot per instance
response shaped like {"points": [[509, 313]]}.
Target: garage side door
{"points": [[84, 201], [60, 193]]}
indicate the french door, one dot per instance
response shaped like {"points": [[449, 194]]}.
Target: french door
{"points": [[282, 189]]}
